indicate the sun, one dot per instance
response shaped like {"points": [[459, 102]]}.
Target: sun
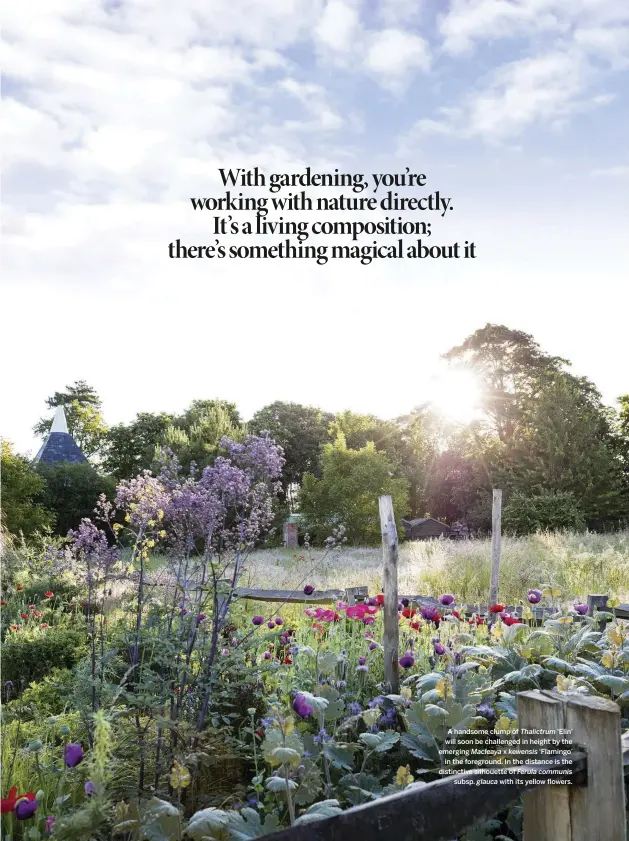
{"points": [[456, 395]]}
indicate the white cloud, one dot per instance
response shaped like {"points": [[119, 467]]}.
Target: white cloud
{"points": [[612, 171], [338, 28], [392, 55]]}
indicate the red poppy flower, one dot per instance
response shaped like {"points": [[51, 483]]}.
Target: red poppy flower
{"points": [[455, 613], [3, 603], [511, 620], [24, 615], [415, 626], [44, 625], [49, 594], [8, 802], [31, 607], [15, 627], [496, 608], [19, 587], [380, 599], [409, 612], [287, 661], [476, 620]]}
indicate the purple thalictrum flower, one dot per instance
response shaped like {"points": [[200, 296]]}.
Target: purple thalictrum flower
{"points": [[73, 754], [486, 711]]}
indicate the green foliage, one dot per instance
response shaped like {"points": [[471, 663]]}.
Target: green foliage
{"points": [[548, 511], [348, 490], [21, 489], [28, 657], [71, 492], [82, 407], [130, 448], [301, 431]]}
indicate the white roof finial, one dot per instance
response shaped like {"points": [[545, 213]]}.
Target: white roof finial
{"points": [[59, 423]]}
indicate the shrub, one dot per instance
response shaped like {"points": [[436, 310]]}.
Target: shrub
{"points": [[547, 511], [72, 491], [28, 657]]}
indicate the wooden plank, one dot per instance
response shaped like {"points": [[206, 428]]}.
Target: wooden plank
{"points": [[496, 534], [596, 603], [547, 809], [290, 596], [438, 811], [597, 811], [391, 637]]}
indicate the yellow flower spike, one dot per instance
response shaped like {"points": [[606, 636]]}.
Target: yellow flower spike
{"points": [[482, 670], [527, 613], [150, 543], [406, 693], [403, 776], [565, 620], [162, 533], [289, 725], [127, 518], [504, 723], [122, 811], [179, 776], [152, 523], [444, 688], [613, 601], [160, 514], [614, 635], [117, 526], [607, 660]]}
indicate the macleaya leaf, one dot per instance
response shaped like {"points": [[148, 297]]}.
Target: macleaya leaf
{"points": [[278, 784]]}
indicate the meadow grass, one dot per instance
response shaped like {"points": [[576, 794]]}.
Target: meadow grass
{"points": [[578, 564]]}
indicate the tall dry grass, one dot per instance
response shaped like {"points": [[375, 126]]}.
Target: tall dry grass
{"points": [[577, 563]]}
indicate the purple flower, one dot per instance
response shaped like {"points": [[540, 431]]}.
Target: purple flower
{"points": [[302, 707], [270, 625], [267, 655], [486, 711], [50, 824], [25, 809], [400, 606], [446, 598], [372, 601], [581, 609], [258, 620], [407, 660], [429, 612], [534, 596], [354, 708], [90, 788], [439, 648], [309, 589], [279, 620], [73, 754], [373, 646], [405, 602], [362, 661]]}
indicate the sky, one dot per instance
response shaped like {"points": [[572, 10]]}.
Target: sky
{"points": [[117, 112]]}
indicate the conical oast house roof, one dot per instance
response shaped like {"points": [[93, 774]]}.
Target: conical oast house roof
{"points": [[60, 446]]}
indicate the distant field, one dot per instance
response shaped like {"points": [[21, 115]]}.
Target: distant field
{"points": [[577, 563]]}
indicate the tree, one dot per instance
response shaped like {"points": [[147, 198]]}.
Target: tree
{"points": [[71, 492], [82, 407], [195, 436], [348, 490], [511, 369], [130, 448], [21, 489], [301, 431], [567, 446]]}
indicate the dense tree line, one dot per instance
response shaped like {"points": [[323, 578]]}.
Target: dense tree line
{"points": [[545, 436]]}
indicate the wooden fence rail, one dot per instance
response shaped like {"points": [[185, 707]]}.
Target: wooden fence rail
{"points": [[591, 807]]}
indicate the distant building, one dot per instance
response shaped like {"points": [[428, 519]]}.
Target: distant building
{"points": [[425, 528], [60, 446], [291, 531]]}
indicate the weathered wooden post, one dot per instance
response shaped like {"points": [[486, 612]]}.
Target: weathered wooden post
{"points": [[390, 641], [496, 534], [596, 811], [597, 602]]}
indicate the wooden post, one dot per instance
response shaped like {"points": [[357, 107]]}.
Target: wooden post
{"points": [[496, 533], [596, 811], [597, 602], [391, 638]]}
